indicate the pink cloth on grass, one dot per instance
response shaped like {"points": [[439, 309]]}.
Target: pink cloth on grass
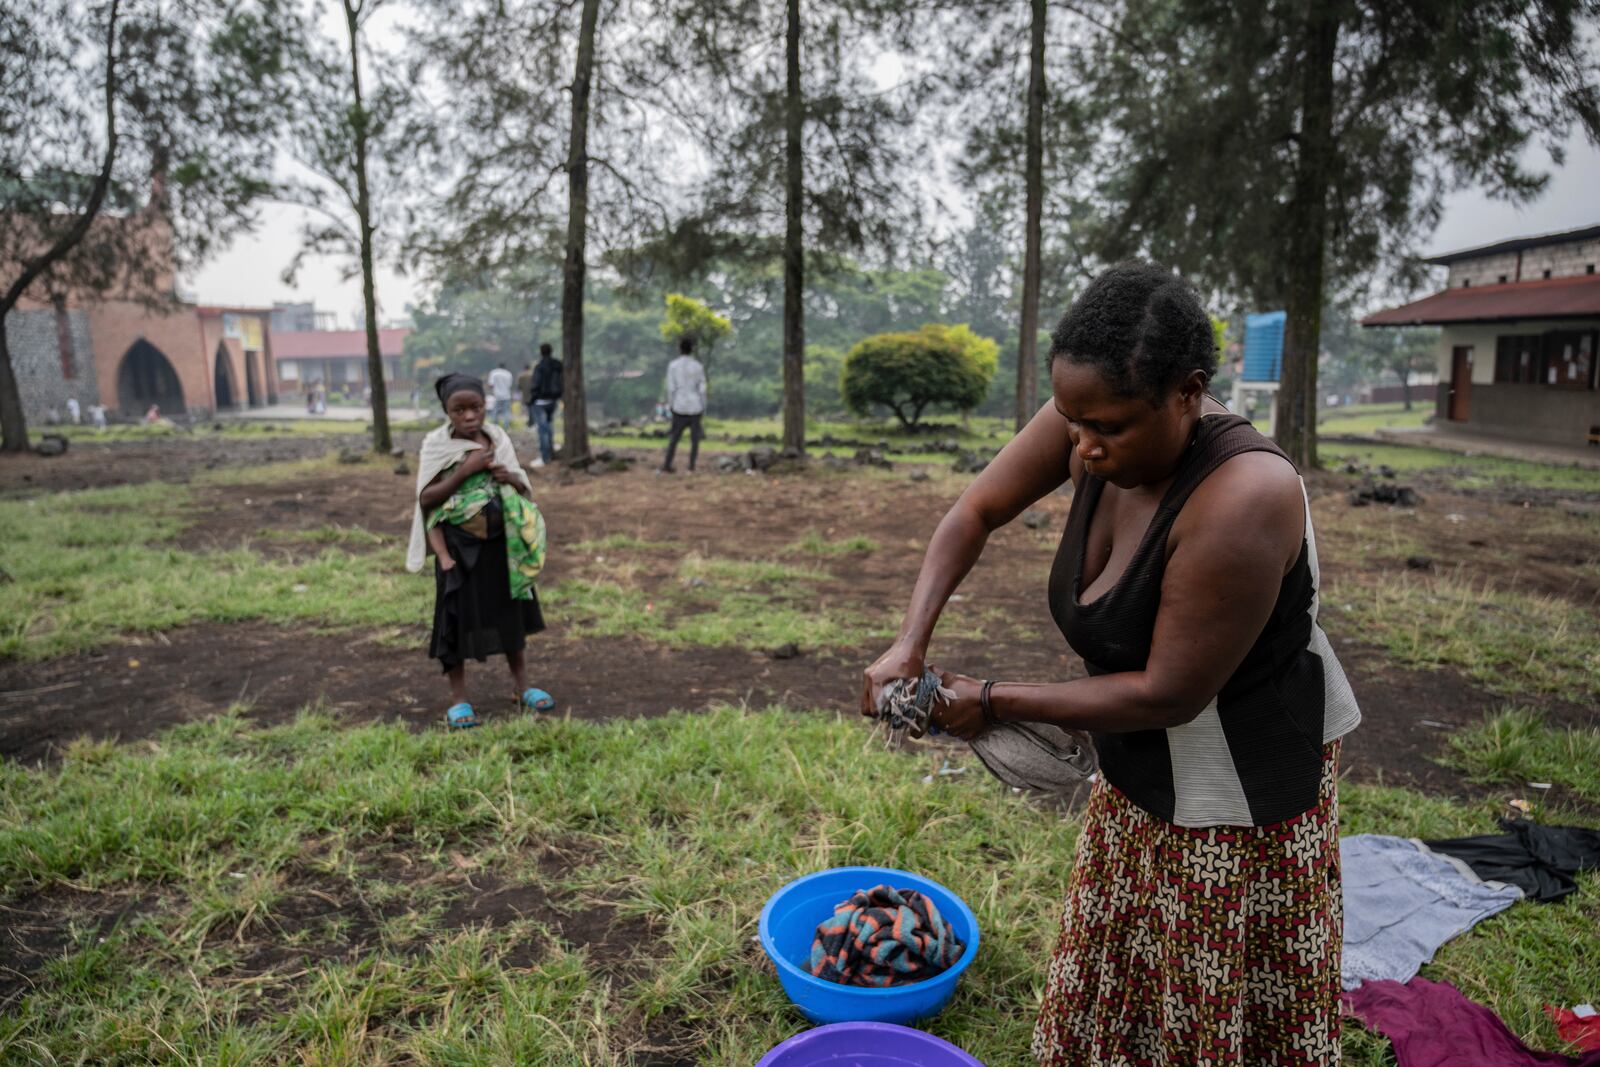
{"points": [[1432, 1025]]}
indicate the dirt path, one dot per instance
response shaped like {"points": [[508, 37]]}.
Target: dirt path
{"points": [[198, 671]]}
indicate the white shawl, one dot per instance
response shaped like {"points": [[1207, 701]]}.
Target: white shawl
{"points": [[440, 451]]}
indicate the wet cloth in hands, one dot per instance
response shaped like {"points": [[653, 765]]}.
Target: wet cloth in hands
{"points": [[1402, 901], [1540, 860], [1432, 1025], [882, 937], [1024, 755]]}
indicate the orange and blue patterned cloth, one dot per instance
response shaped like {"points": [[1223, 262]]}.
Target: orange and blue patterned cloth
{"points": [[882, 937]]}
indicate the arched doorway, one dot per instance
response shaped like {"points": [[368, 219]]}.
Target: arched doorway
{"points": [[146, 377], [222, 382]]}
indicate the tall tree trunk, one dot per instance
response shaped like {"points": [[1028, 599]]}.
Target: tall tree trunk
{"points": [[1033, 181], [794, 326], [575, 419], [1405, 384], [1295, 428], [13, 421], [369, 293]]}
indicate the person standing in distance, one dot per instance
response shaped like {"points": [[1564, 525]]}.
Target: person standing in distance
{"points": [[525, 390], [544, 391], [686, 399], [500, 382]]}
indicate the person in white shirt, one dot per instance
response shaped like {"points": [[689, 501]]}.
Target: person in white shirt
{"points": [[74, 410], [686, 399], [500, 383]]}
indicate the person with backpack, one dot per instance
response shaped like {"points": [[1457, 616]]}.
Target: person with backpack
{"points": [[544, 393]]}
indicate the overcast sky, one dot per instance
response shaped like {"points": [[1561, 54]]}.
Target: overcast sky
{"points": [[248, 273]]}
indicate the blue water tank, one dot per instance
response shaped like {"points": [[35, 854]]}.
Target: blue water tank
{"points": [[1263, 347]]}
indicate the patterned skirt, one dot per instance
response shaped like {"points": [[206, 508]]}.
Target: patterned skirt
{"points": [[1196, 947]]}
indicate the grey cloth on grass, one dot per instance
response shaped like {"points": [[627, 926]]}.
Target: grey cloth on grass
{"points": [[1023, 755], [1402, 901]]}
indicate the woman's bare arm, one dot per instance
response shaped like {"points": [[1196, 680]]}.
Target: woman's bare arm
{"points": [[1233, 542], [1032, 464]]}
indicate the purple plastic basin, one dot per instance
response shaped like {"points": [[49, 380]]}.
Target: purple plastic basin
{"points": [[866, 1045]]}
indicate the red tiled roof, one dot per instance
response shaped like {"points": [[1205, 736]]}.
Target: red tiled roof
{"points": [[213, 310], [1575, 297], [334, 344]]}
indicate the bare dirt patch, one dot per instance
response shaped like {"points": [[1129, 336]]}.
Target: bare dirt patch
{"points": [[92, 465], [38, 927], [1000, 627]]}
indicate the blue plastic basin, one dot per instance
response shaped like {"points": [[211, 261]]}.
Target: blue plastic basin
{"points": [[866, 1045], [789, 926]]}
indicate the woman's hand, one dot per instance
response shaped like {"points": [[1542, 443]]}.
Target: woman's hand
{"points": [[901, 661], [479, 459], [963, 716]]}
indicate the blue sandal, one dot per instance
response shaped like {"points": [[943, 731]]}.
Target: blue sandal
{"points": [[461, 717], [537, 700]]}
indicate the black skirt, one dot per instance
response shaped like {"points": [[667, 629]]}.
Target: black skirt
{"points": [[474, 615]]}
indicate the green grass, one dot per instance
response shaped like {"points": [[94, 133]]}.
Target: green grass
{"points": [[620, 542], [758, 616], [221, 831], [982, 432], [332, 535], [1508, 642], [1516, 746], [90, 566], [1369, 418], [1460, 470], [815, 544], [231, 429]]}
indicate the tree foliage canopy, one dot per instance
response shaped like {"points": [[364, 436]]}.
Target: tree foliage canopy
{"points": [[687, 317], [194, 94], [1201, 133], [938, 365]]}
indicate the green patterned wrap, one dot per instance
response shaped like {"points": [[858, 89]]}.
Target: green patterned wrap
{"points": [[525, 538]]}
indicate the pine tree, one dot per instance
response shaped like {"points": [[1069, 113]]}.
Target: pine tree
{"points": [[1280, 150], [356, 130], [136, 123], [517, 143], [793, 136]]}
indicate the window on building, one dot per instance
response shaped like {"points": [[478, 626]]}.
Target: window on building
{"points": [[1569, 359], [1466, 283], [288, 370], [1589, 269], [1517, 359], [1502, 280], [1547, 274]]}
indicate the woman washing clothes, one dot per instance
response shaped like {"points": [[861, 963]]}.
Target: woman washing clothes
{"points": [[476, 515], [1202, 922]]}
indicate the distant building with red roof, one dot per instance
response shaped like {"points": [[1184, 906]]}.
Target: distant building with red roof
{"points": [[1519, 350], [335, 359]]}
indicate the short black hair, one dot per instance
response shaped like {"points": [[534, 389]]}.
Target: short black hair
{"points": [[545, 349], [686, 345], [1141, 326]]}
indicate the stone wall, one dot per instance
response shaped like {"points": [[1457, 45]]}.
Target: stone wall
{"points": [[1562, 260], [34, 338]]}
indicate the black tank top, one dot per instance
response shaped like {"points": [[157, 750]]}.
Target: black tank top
{"points": [[1254, 755]]}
